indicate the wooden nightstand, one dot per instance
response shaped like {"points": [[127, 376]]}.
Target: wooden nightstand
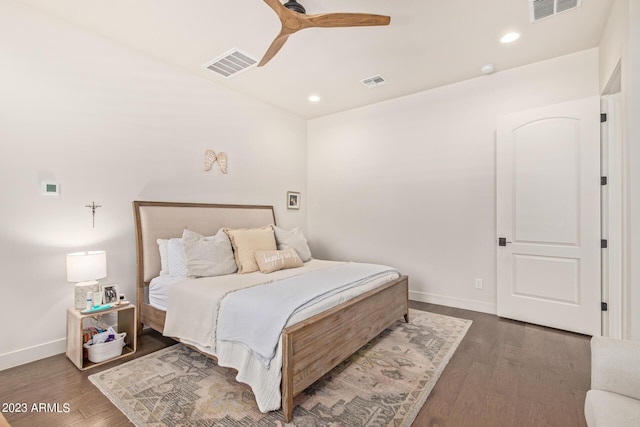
{"points": [[126, 323]]}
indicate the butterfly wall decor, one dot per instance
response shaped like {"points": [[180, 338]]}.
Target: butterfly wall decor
{"points": [[210, 158]]}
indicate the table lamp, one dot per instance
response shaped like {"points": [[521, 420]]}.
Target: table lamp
{"points": [[86, 268]]}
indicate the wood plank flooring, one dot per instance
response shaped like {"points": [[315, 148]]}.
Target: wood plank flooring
{"points": [[508, 373], [504, 373], [57, 380]]}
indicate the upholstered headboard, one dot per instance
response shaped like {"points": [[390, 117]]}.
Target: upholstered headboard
{"points": [[164, 220]]}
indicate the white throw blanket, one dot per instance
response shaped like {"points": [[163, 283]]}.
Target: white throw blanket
{"points": [[256, 316], [192, 311]]}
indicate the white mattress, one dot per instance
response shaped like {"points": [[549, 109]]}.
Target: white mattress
{"points": [[159, 290]]}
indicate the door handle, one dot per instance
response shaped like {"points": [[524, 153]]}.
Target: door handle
{"points": [[502, 241]]}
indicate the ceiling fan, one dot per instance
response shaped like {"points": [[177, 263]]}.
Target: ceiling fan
{"points": [[294, 18]]}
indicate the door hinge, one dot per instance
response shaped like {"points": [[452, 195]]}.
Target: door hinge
{"points": [[604, 306], [603, 180], [603, 243], [603, 117]]}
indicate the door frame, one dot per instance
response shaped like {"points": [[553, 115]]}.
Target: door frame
{"points": [[615, 290]]}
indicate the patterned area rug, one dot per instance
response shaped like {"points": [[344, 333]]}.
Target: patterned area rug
{"points": [[385, 383]]}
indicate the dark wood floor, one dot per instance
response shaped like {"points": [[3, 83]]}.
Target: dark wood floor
{"points": [[508, 373], [504, 373], [57, 380]]}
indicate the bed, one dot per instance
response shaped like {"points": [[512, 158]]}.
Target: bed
{"points": [[309, 348]]}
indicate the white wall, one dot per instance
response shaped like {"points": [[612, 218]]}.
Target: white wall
{"points": [[612, 41], [411, 182], [112, 126]]}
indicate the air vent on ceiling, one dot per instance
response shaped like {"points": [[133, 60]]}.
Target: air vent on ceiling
{"points": [[231, 63], [540, 9], [374, 81]]}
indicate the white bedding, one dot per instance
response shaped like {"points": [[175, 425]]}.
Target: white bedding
{"points": [[197, 302], [159, 290]]}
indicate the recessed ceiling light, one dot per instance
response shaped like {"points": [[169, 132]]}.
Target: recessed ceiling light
{"points": [[314, 98], [510, 37]]}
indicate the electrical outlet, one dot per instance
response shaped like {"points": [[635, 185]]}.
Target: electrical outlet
{"points": [[478, 283]]}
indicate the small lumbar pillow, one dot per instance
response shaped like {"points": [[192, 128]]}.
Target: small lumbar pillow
{"points": [[175, 257], [246, 241], [293, 239], [270, 261], [207, 256]]}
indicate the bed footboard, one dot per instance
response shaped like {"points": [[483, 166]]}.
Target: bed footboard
{"points": [[313, 347]]}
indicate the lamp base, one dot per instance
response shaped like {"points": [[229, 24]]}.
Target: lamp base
{"points": [[81, 293]]}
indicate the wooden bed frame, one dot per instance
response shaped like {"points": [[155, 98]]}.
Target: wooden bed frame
{"points": [[310, 348]]}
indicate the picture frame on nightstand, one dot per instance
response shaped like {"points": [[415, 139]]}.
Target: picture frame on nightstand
{"points": [[110, 294]]}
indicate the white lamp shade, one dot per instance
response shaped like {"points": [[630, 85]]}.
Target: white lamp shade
{"points": [[85, 266]]}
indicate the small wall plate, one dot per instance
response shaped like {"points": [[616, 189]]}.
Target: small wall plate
{"points": [[49, 188]]}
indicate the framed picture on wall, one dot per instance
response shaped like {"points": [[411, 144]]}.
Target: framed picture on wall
{"points": [[110, 294], [293, 200]]}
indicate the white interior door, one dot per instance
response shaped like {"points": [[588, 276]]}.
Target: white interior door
{"points": [[548, 216]]}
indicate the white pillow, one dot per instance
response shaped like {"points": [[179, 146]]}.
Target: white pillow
{"points": [[208, 256], [293, 239], [164, 256], [175, 258]]}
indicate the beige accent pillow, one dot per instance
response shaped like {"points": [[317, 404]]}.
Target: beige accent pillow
{"points": [[207, 256], [270, 261], [246, 241]]}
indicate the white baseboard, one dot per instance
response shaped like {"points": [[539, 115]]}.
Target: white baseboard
{"points": [[466, 304], [30, 354]]}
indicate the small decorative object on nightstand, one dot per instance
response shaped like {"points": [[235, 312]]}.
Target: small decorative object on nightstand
{"points": [[126, 324], [86, 268]]}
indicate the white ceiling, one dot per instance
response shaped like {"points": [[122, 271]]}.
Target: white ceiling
{"points": [[429, 43]]}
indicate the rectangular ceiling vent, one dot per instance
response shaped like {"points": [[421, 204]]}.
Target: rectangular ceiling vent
{"points": [[231, 63], [374, 81], [540, 9]]}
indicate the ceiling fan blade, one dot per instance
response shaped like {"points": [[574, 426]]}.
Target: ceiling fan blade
{"points": [[275, 47], [293, 21], [275, 5], [345, 20]]}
